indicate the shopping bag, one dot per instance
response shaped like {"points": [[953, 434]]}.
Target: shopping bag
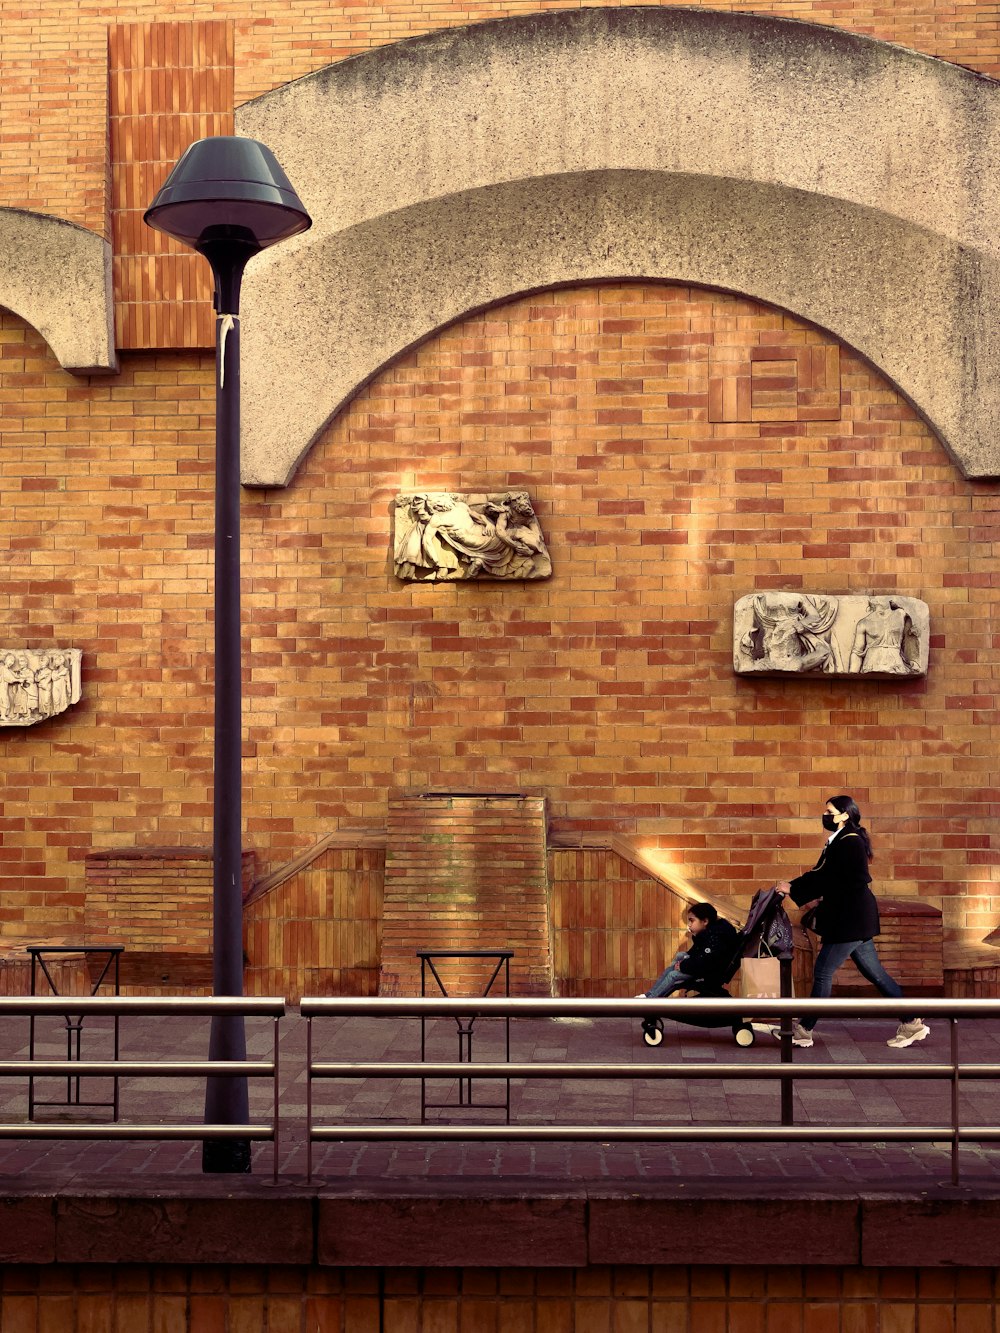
{"points": [[761, 978]]}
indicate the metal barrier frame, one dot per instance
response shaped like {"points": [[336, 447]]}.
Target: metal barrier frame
{"points": [[74, 1024], [117, 1007], [464, 1025], [784, 1071]]}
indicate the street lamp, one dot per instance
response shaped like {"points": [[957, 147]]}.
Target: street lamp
{"points": [[228, 199]]}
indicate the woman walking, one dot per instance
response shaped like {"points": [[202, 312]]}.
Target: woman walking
{"points": [[846, 916]]}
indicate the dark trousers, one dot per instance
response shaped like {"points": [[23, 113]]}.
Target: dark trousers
{"points": [[863, 955]]}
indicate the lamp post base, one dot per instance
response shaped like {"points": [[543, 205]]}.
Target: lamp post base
{"points": [[226, 1156]]}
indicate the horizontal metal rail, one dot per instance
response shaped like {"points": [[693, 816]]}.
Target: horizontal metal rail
{"points": [[498, 1069], [398, 1006], [122, 1007], [163, 1006], [725, 1011], [647, 1133], [41, 1130], [139, 1068]]}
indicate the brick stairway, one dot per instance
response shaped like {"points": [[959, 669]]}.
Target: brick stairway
{"points": [[466, 872]]}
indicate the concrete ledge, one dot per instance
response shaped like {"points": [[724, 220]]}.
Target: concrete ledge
{"points": [[757, 1230], [848, 181], [471, 1230], [57, 277], [28, 1230], [732, 1222], [104, 1230], [380, 287], [941, 1231]]}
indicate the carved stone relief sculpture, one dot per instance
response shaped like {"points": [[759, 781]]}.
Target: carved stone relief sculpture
{"points": [[442, 536], [37, 683], [878, 636]]}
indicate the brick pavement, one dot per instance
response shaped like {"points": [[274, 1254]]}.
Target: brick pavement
{"points": [[542, 1102], [555, 1194]]}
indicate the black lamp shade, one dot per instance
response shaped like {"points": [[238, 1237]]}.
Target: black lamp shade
{"points": [[227, 187]]}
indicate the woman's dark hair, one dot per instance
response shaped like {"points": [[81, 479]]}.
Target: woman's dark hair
{"points": [[703, 911], [846, 805]]}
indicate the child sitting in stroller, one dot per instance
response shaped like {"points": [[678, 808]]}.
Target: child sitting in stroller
{"points": [[713, 945], [717, 949]]}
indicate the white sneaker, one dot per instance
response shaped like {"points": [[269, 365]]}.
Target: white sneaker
{"points": [[800, 1036], [907, 1033]]}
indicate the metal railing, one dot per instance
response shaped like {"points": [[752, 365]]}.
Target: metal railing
{"points": [[784, 1071], [116, 1008]]}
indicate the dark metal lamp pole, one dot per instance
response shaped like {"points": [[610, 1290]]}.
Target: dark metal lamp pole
{"points": [[228, 199]]}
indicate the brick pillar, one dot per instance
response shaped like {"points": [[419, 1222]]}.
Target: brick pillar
{"points": [[466, 872]]}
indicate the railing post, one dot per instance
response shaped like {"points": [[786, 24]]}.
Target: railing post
{"points": [[506, 1023], [955, 1108], [309, 1098], [423, 1040], [275, 1094], [787, 1084]]}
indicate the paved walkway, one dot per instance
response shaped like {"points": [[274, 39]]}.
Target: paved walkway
{"points": [[147, 1168]]}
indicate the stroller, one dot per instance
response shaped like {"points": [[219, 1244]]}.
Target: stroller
{"points": [[768, 932]]}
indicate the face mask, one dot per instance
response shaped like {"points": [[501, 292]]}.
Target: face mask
{"points": [[828, 823]]}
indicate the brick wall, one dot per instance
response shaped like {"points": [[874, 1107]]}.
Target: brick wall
{"points": [[170, 83], [466, 872], [607, 689], [319, 932], [55, 103], [614, 929], [594, 1300], [158, 903], [970, 975]]}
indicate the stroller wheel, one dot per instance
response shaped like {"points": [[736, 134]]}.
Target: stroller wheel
{"points": [[652, 1031], [744, 1034]]}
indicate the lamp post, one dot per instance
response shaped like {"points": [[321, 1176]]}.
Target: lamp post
{"points": [[228, 199]]}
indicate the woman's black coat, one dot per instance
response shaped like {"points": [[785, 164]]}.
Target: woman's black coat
{"points": [[840, 877]]}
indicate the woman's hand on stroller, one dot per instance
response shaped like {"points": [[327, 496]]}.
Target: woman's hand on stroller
{"points": [[783, 887]]}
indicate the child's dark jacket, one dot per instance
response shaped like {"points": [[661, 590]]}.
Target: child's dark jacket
{"points": [[711, 952]]}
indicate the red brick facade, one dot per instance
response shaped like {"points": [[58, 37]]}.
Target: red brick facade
{"points": [[466, 872], [681, 447], [600, 1299], [607, 689]]}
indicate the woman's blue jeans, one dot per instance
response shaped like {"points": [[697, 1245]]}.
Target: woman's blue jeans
{"points": [[862, 954]]}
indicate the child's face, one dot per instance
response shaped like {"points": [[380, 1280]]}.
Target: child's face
{"points": [[695, 924]]}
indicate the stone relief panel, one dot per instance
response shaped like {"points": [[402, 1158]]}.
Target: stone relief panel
{"points": [[37, 683], [440, 536], [878, 636]]}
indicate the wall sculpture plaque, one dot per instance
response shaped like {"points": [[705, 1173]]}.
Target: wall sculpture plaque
{"points": [[440, 536], [814, 634], [37, 683]]}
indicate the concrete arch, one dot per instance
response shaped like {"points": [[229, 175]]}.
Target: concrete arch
{"points": [[57, 277], [853, 183]]}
